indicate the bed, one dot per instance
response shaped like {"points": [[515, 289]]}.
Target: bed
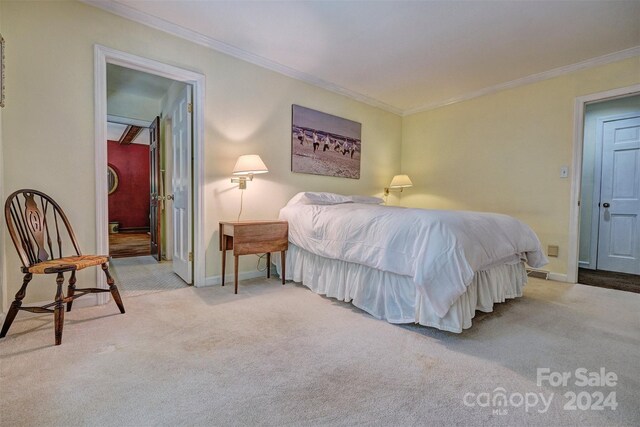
{"points": [[403, 265]]}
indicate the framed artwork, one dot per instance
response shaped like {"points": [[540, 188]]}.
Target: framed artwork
{"points": [[112, 179], [322, 144], [1, 71]]}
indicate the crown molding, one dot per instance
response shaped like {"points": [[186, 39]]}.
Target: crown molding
{"points": [[200, 39], [545, 75], [211, 43]]}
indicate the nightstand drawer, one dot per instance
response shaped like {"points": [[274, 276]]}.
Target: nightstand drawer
{"points": [[253, 237], [258, 247]]}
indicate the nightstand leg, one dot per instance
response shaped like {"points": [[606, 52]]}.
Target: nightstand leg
{"points": [[283, 257], [235, 272], [268, 265], [224, 257]]}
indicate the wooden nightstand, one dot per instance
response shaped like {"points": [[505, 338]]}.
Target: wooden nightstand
{"points": [[253, 237]]}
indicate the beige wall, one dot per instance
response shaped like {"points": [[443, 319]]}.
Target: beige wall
{"points": [[248, 110], [503, 152], [593, 113]]}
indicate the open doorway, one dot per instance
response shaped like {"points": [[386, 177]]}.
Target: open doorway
{"points": [[195, 259], [128, 144], [609, 244], [145, 186]]}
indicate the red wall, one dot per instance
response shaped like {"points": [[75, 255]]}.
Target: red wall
{"points": [[129, 204]]}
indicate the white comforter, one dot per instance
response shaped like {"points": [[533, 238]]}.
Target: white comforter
{"points": [[440, 250]]}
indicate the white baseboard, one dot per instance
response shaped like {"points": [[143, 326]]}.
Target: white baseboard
{"points": [[558, 277], [584, 264], [217, 280]]}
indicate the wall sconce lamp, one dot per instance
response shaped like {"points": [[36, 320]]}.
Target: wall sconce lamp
{"points": [[398, 183], [247, 166]]}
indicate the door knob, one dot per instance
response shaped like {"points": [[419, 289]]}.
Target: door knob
{"points": [[169, 196], [605, 205]]}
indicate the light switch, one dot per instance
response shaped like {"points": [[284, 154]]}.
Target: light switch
{"points": [[552, 250], [564, 171]]}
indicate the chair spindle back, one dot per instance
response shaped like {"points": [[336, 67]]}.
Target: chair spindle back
{"points": [[36, 224]]}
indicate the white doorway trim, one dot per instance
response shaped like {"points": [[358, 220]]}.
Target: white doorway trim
{"points": [[103, 56], [576, 174]]}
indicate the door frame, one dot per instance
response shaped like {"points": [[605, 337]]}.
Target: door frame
{"points": [[155, 179], [576, 173], [102, 56]]}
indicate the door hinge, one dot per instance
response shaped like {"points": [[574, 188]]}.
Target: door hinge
{"points": [[190, 256], [190, 107]]}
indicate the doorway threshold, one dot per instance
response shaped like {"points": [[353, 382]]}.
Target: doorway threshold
{"points": [[143, 275], [609, 279]]}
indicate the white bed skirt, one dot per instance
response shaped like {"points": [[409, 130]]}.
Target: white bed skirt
{"points": [[393, 297]]}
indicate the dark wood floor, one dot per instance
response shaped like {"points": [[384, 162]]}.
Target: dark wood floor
{"points": [[609, 279], [123, 245]]}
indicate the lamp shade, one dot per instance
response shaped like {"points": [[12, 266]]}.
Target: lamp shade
{"points": [[249, 164], [400, 181]]}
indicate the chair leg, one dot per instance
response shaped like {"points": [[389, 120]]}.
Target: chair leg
{"points": [[58, 312], [71, 289], [113, 288], [15, 306]]}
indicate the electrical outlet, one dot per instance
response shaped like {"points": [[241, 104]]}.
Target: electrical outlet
{"points": [[564, 172], [552, 250]]}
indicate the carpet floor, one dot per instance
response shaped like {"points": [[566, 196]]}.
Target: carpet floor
{"points": [[282, 355]]}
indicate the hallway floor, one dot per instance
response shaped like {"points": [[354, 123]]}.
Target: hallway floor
{"points": [[609, 280], [144, 275], [129, 244]]}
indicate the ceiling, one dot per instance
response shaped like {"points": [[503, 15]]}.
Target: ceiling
{"points": [[403, 56], [134, 82], [140, 89]]}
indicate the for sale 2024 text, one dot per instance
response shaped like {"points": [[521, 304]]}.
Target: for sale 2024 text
{"points": [[597, 400]]}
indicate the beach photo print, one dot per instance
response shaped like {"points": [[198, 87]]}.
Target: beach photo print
{"points": [[322, 144]]}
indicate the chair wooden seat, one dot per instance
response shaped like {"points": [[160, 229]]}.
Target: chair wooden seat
{"points": [[37, 228], [65, 264]]}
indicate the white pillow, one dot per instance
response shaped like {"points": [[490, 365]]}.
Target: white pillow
{"points": [[296, 200], [321, 198], [368, 200]]}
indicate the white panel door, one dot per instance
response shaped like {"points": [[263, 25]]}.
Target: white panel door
{"points": [[619, 234], [181, 185]]}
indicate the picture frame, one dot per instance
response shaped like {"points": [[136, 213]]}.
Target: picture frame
{"points": [[324, 144], [112, 179], [1, 71]]}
